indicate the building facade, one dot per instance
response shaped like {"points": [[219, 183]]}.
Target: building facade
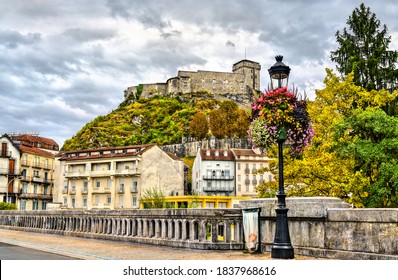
{"points": [[37, 178], [230, 172], [10, 155], [247, 164], [213, 173], [115, 178], [27, 170], [238, 84]]}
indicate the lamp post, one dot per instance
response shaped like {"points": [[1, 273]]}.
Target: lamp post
{"points": [[282, 247]]}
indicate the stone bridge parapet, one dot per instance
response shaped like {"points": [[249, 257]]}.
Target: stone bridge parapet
{"points": [[219, 229], [319, 227]]}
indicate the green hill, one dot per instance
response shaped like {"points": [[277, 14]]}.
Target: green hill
{"points": [[157, 120]]}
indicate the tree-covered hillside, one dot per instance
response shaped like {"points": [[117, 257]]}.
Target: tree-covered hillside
{"points": [[157, 120]]}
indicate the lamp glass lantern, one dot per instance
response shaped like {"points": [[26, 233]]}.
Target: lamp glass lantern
{"points": [[279, 73]]}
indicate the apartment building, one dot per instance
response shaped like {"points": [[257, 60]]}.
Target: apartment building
{"points": [[9, 169], [115, 178], [213, 173], [229, 172], [247, 162], [36, 177]]}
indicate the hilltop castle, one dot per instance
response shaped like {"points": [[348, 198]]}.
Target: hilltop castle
{"points": [[237, 85]]}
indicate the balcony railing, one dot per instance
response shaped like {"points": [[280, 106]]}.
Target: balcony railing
{"points": [[102, 190], [126, 172], [219, 189], [220, 178], [5, 153], [76, 174], [36, 196]]}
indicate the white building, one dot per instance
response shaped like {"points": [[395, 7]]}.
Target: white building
{"points": [[229, 172], [10, 156], [213, 173]]}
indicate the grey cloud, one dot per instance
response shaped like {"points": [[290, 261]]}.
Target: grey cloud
{"points": [[230, 44], [12, 39], [86, 35]]}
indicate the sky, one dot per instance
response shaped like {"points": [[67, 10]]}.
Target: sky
{"points": [[63, 63]]}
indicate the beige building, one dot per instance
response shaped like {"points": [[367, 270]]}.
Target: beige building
{"points": [[237, 85], [37, 178], [115, 178], [246, 163], [26, 170]]}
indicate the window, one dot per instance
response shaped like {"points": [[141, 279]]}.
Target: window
{"points": [[65, 200], [97, 199], [239, 187], [134, 201], [84, 201], [43, 205], [85, 186], [22, 205], [135, 184], [34, 189], [108, 199], [238, 165], [35, 205], [98, 183], [73, 202]]}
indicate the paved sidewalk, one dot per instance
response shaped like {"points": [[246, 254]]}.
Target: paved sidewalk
{"points": [[93, 249]]}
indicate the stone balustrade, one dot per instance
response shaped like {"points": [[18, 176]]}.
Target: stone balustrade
{"points": [[319, 227], [188, 228]]}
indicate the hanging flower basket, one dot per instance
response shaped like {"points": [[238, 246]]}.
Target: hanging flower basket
{"points": [[279, 115]]}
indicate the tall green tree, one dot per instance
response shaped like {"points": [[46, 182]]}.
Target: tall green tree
{"points": [[363, 49]]}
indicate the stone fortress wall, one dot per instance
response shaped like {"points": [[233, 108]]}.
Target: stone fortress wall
{"points": [[237, 85]]}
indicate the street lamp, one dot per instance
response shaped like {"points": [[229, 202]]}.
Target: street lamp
{"points": [[282, 247]]}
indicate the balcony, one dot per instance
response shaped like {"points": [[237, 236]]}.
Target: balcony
{"points": [[65, 190], [84, 190], [37, 179], [39, 196], [5, 153], [218, 189], [9, 172], [134, 189], [126, 172], [218, 178], [97, 190], [76, 174], [100, 173]]}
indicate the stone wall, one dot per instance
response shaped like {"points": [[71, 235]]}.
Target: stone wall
{"points": [[319, 227], [328, 228], [190, 149]]}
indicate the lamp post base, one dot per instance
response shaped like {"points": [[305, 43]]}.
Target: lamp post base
{"points": [[282, 247], [282, 252]]}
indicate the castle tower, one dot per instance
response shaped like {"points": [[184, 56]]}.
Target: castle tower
{"points": [[251, 70]]}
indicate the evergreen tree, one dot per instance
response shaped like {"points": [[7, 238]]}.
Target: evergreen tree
{"points": [[363, 49]]}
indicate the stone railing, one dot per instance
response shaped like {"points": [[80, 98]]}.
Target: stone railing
{"points": [[319, 227], [219, 229], [329, 228]]}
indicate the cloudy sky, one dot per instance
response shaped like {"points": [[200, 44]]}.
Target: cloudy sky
{"points": [[62, 63]]}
